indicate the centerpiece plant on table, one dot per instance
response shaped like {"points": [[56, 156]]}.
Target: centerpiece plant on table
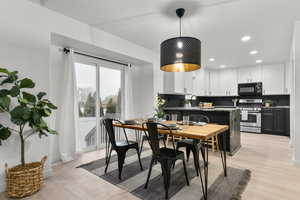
{"points": [[26, 113], [159, 111]]}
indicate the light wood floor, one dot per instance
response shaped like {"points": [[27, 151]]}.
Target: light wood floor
{"points": [[268, 157]]}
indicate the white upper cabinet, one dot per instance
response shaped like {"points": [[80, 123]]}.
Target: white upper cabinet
{"points": [[288, 78], [188, 82], [214, 83], [178, 82], [228, 82], [168, 81], [249, 74], [273, 79], [201, 82]]}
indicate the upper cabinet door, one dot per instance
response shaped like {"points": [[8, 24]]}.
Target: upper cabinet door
{"points": [[243, 75], [188, 82], [215, 83], [168, 82], [228, 82], [199, 83], [273, 79], [179, 82], [249, 74], [256, 74]]}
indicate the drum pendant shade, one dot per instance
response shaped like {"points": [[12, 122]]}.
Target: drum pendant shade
{"points": [[180, 54]]}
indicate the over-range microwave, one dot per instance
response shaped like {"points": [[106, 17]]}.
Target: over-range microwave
{"points": [[250, 89]]}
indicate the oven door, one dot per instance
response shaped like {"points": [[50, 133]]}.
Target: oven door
{"points": [[253, 119]]}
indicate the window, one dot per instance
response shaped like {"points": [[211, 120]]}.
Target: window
{"points": [[100, 94]]}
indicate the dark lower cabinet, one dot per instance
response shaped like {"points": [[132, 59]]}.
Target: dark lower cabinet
{"points": [[275, 121]]}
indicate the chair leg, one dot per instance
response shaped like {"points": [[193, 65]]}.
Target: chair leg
{"points": [[149, 173], [196, 160], [188, 152], [177, 148], [185, 172], [213, 145], [139, 157], [165, 168], [217, 143], [121, 159], [142, 144], [108, 160]]}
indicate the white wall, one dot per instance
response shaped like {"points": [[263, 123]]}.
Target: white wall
{"points": [[25, 30], [295, 93]]}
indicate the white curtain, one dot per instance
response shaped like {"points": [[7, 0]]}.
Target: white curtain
{"points": [[68, 115], [129, 105]]}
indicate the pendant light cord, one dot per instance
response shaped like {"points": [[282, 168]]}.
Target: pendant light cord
{"points": [[180, 26]]}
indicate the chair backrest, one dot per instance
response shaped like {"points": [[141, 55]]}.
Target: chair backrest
{"points": [[153, 136], [199, 118], [108, 124]]}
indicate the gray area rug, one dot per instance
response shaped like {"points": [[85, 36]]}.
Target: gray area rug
{"points": [[133, 179]]}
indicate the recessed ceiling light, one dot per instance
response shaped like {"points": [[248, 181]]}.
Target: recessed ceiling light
{"points": [[258, 61], [222, 66], [211, 59], [245, 38], [253, 52]]}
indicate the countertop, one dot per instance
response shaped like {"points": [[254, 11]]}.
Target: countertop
{"points": [[277, 107], [221, 109]]}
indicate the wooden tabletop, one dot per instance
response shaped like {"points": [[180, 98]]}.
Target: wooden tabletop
{"points": [[194, 132]]}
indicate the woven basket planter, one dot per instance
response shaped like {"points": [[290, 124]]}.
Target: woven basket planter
{"points": [[22, 181]]}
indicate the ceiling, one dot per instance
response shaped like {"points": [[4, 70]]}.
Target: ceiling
{"points": [[219, 24]]}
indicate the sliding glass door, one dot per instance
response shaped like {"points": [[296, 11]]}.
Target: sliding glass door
{"points": [[99, 94]]}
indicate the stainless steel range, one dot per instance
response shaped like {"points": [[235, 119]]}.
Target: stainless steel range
{"points": [[250, 115]]}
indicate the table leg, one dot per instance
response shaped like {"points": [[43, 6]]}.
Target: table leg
{"points": [[204, 153], [223, 153]]}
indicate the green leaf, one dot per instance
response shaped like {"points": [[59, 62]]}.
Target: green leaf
{"points": [[40, 95], [20, 115], [42, 124], [3, 70], [47, 112], [7, 80], [52, 106], [36, 117], [53, 132], [5, 102], [4, 92], [29, 97], [14, 91], [27, 83], [4, 133], [42, 133], [22, 101]]}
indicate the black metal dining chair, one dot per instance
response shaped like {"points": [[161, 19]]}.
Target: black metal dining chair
{"points": [[165, 156], [145, 138], [193, 144], [121, 147]]}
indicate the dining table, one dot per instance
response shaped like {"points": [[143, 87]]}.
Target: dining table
{"points": [[202, 133]]}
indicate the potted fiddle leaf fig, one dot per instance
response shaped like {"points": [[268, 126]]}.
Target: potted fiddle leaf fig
{"points": [[26, 112]]}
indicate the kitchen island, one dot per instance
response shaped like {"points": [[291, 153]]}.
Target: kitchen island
{"points": [[223, 116]]}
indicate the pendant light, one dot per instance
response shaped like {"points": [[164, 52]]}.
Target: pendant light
{"points": [[180, 54]]}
